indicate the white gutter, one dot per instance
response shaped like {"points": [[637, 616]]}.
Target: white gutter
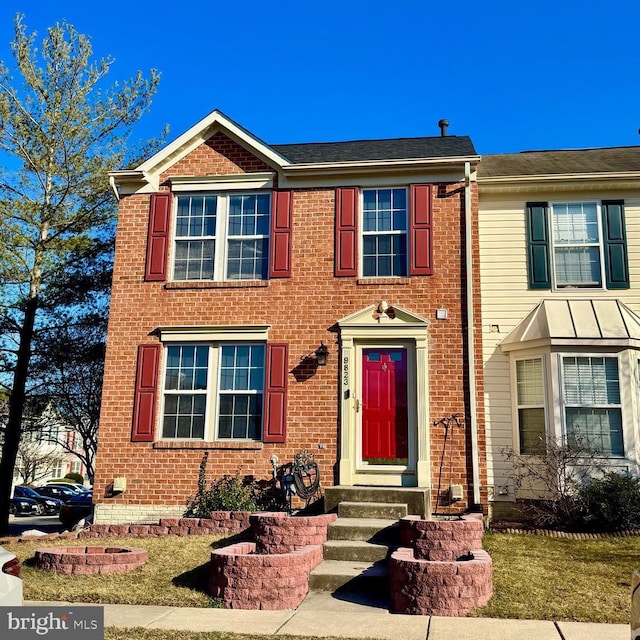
{"points": [[473, 413]]}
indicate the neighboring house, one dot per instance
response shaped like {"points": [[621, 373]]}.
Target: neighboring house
{"points": [[560, 271], [46, 452], [236, 261]]}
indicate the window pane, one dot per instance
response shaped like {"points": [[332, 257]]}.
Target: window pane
{"points": [[600, 429], [589, 381], [529, 382], [575, 223], [194, 260], [578, 266], [532, 428]]}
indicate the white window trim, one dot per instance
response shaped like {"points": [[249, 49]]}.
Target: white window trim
{"points": [[221, 236], [361, 232], [562, 405], [516, 406], [600, 245], [230, 182], [212, 392]]}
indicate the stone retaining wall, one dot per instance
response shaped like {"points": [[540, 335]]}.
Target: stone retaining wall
{"points": [[244, 579], [278, 533], [441, 539], [86, 561], [425, 587], [219, 522], [442, 569]]}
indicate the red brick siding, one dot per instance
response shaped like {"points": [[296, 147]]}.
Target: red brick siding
{"points": [[301, 310]]}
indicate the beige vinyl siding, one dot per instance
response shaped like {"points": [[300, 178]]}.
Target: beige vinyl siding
{"points": [[506, 300]]}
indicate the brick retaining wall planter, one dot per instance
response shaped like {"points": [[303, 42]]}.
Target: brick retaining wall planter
{"points": [[441, 539], [87, 561], [436, 588], [243, 579], [280, 533], [442, 569]]}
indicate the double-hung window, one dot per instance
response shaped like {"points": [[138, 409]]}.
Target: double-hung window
{"points": [[384, 232], [214, 392], [577, 245], [222, 236], [531, 406], [592, 407]]}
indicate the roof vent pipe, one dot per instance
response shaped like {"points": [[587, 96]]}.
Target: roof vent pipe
{"points": [[443, 124]]}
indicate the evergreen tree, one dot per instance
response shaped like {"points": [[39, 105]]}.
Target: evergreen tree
{"points": [[61, 132]]}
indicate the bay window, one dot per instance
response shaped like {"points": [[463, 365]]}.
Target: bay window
{"points": [[592, 407]]}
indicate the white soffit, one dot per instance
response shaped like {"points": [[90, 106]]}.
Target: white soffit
{"points": [[586, 322]]}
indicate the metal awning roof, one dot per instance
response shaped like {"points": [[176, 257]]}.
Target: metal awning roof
{"points": [[593, 322]]}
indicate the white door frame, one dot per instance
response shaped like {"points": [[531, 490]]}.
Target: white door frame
{"points": [[371, 328]]}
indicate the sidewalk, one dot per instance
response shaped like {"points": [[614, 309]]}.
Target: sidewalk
{"points": [[323, 615]]}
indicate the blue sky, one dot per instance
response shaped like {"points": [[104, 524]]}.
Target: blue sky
{"points": [[513, 76]]}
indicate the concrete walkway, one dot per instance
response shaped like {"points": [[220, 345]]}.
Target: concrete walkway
{"points": [[323, 614]]}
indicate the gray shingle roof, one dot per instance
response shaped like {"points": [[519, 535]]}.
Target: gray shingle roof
{"points": [[533, 163], [389, 149]]}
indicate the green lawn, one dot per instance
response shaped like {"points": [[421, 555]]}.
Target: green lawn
{"points": [[534, 577]]}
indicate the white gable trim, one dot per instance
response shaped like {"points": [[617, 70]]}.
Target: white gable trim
{"points": [[203, 130]]}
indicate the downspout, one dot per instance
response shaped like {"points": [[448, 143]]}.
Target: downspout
{"points": [[473, 414]]}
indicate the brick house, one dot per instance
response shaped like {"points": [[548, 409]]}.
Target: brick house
{"points": [[236, 261]]}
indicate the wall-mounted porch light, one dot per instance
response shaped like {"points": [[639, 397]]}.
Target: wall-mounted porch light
{"points": [[321, 354]]}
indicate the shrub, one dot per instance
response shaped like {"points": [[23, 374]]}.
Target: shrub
{"points": [[609, 503], [229, 493], [75, 477], [546, 485]]}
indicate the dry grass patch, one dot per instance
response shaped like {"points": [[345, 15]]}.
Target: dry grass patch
{"points": [[175, 574], [541, 578], [138, 633]]}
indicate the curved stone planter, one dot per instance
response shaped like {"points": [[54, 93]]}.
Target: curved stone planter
{"points": [[436, 588], [243, 579], [442, 570], [87, 561], [281, 533]]}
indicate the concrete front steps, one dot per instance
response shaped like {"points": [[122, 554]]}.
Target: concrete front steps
{"points": [[358, 544]]}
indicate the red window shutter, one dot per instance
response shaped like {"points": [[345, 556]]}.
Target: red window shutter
{"points": [[280, 254], [158, 237], [346, 254], [275, 412], [144, 406], [420, 231]]}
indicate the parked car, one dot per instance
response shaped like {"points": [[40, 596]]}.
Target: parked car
{"points": [[10, 582], [61, 493], [78, 508], [51, 506], [25, 507], [78, 488]]}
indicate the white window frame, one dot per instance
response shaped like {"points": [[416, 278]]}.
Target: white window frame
{"points": [[362, 233], [212, 392], [563, 402], [541, 357], [599, 245], [221, 237]]}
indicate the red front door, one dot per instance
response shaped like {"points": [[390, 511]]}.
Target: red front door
{"points": [[384, 406]]}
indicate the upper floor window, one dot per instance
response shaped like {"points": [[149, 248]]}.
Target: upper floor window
{"points": [[384, 232], [222, 237], [577, 247], [577, 244]]}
